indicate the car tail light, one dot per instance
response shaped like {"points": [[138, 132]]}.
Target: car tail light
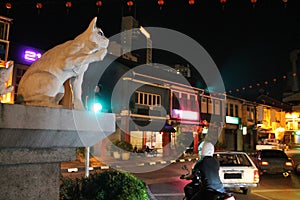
{"points": [[256, 176], [289, 164], [264, 163]]}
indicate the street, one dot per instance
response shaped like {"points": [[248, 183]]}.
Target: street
{"points": [[165, 184]]}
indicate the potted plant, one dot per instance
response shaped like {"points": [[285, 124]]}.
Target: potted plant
{"points": [[123, 148]]}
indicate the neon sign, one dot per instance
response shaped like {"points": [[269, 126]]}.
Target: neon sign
{"points": [[31, 56]]}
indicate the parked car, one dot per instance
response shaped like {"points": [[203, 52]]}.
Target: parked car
{"points": [[274, 161], [237, 170]]}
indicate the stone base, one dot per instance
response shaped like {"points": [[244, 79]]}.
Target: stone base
{"points": [[32, 174]]}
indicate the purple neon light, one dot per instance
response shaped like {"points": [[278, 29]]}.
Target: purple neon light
{"points": [[31, 56]]}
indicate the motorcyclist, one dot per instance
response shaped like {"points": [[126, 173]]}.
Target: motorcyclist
{"points": [[208, 168]]}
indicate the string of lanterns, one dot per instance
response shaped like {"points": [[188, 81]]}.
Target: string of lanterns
{"points": [[274, 81], [131, 3]]}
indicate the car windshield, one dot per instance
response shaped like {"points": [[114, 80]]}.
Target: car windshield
{"points": [[233, 159], [273, 154]]}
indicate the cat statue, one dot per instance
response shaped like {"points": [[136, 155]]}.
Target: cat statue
{"points": [[43, 82], [4, 77]]}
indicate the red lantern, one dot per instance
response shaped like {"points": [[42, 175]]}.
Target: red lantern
{"points": [[285, 1], [68, 4], [98, 3], [191, 2], [160, 2], [8, 6], [223, 1], [39, 5], [130, 3], [253, 3]]}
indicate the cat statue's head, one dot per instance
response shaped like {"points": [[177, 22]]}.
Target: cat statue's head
{"points": [[94, 34]]}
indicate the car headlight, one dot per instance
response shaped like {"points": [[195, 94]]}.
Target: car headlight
{"points": [[289, 164]]}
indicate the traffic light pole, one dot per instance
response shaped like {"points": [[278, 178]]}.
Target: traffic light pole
{"points": [[87, 161]]}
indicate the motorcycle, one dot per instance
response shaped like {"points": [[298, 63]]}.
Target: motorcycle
{"points": [[195, 187]]}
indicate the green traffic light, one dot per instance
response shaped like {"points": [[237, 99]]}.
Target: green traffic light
{"points": [[96, 107]]}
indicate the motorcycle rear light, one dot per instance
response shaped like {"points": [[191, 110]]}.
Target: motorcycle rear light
{"points": [[289, 164], [256, 176], [264, 163]]}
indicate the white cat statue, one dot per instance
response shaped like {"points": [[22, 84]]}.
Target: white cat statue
{"points": [[4, 77], [43, 82]]}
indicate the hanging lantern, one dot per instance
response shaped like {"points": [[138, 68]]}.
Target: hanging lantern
{"points": [[253, 3], [129, 3], [160, 3], [8, 6], [250, 86], [284, 76], [98, 4], [39, 5], [223, 2], [285, 3], [68, 4], [191, 2]]}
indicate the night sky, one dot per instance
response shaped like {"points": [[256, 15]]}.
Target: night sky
{"points": [[249, 45]]}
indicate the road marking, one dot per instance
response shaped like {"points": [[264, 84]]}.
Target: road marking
{"points": [[277, 190], [255, 192], [73, 170], [259, 195], [168, 194]]}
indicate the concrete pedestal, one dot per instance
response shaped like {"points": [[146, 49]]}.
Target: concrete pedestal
{"points": [[35, 140]]}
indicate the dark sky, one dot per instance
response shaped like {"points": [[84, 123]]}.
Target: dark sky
{"points": [[249, 45]]}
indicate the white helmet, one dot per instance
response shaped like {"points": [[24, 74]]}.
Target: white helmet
{"points": [[208, 149]]}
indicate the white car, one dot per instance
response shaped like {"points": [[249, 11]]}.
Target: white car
{"points": [[237, 170]]}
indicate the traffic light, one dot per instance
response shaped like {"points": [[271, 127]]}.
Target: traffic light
{"points": [[95, 104], [96, 107]]}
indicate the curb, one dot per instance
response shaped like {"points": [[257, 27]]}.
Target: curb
{"points": [[114, 166]]}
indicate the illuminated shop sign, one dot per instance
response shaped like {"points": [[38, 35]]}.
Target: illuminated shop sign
{"points": [[30, 55], [232, 120], [184, 114]]}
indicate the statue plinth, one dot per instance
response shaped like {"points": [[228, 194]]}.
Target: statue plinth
{"points": [[35, 140]]}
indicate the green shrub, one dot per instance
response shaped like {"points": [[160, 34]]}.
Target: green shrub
{"points": [[121, 145], [113, 184]]}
